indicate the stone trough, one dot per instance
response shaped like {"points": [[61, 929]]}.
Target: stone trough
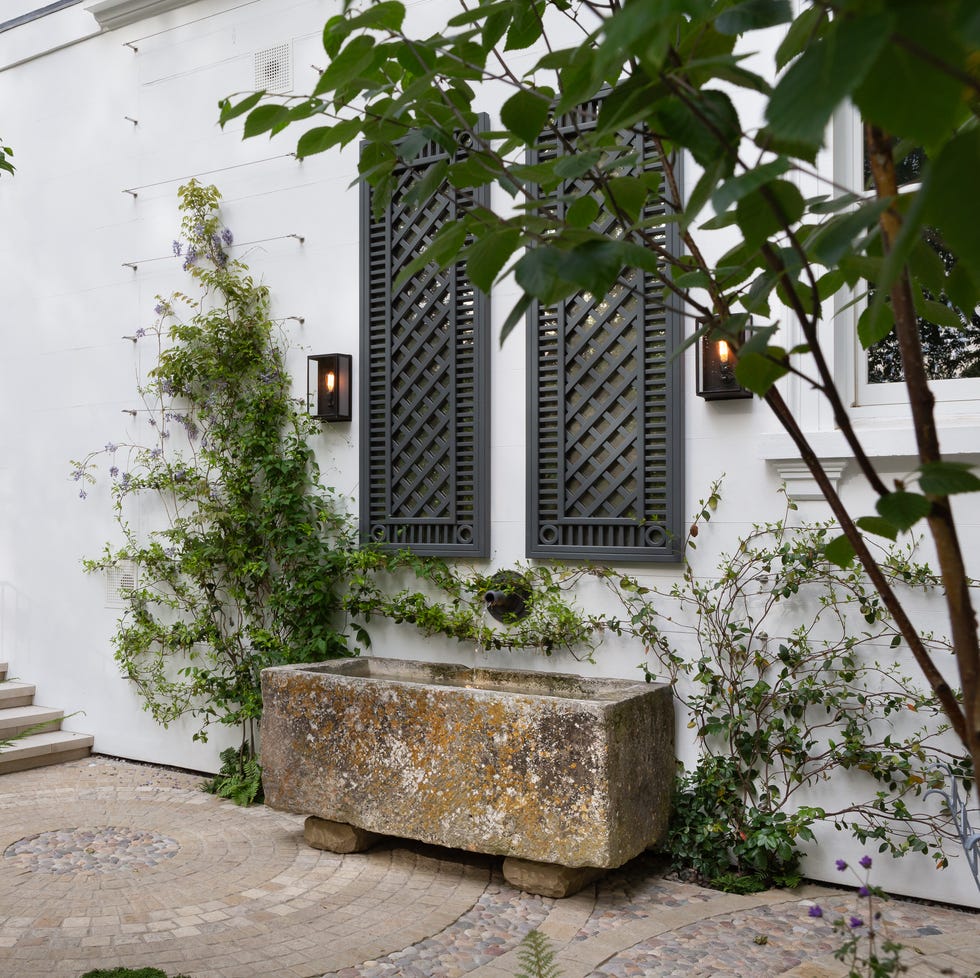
{"points": [[563, 775]]}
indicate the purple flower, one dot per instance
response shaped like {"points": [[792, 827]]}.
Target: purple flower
{"points": [[855, 922], [160, 309], [841, 865], [865, 861], [863, 891], [114, 471], [77, 474], [178, 248], [199, 229], [110, 447], [140, 333], [227, 236], [82, 494], [156, 453], [126, 477], [815, 911], [190, 259]]}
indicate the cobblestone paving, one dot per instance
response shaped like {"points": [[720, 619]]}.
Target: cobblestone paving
{"points": [[111, 864], [102, 850]]}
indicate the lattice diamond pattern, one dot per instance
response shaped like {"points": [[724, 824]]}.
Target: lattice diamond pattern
{"points": [[425, 348], [606, 406]]}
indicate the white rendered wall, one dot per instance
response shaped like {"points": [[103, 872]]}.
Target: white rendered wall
{"points": [[67, 376]]}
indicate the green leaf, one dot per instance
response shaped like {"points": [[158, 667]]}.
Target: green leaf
{"points": [[736, 188], [752, 15], [706, 124], [757, 372], [486, 256], [840, 551], [515, 316], [879, 526], [950, 201], [525, 114], [576, 164], [347, 64], [324, 137], [768, 210], [835, 238], [802, 33], [228, 111], [582, 212], [825, 73], [875, 323], [264, 118], [432, 179], [526, 26], [905, 92], [445, 245], [937, 313], [903, 509], [626, 194], [539, 271], [947, 478]]}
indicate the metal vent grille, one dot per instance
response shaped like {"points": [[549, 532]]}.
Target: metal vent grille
{"points": [[605, 408], [274, 69], [119, 581], [425, 381]]}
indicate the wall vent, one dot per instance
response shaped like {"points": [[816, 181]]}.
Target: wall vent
{"points": [[274, 69], [120, 579]]}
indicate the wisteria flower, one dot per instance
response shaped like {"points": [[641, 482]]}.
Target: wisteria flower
{"points": [[140, 333], [82, 494], [178, 248], [110, 447], [114, 471], [191, 258], [227, 236], [126, 479]]}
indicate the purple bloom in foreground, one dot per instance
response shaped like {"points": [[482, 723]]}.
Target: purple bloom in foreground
{"points": [[178, 248], [855, 922], [227, 236], [863, 891], [114, 471], [841, 865], [190, 259], [865, 861], [82, 494], [110, 447], [140, 333], [815, 911]]}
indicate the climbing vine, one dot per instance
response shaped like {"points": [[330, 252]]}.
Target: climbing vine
{"points": [[784, 663], [239, 551]]}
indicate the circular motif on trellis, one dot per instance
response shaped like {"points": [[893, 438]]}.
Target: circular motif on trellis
{"points": [[655, 536], [101, 850], [548, 533], [464, 533], [379, 533]]}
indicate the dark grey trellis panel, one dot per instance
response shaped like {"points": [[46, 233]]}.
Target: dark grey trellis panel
{"points": [[425, 380], [605, 402]]}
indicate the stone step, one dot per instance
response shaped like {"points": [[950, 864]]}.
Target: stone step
{"points": [[17, 719], [38, 750], [3, 671], [16, 694]]}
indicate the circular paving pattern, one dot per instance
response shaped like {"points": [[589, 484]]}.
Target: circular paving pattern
{"points": [[99, 850]]}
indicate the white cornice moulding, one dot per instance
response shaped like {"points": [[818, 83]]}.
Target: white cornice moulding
{"points": [[118, 13]]}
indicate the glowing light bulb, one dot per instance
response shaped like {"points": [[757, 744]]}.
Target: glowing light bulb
{"points": [[723, 351], [331, 381]]}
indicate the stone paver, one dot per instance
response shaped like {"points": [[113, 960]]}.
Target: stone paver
{"points": [[106, 863]]}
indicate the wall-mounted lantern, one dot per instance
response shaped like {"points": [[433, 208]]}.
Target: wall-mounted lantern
{"points": [[716, 369], [328, 386]]}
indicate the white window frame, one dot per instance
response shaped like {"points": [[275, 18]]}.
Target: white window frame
{"points": [[955, 399]]}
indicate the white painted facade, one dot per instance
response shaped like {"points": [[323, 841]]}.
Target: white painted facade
{"points": [[106, 122]]}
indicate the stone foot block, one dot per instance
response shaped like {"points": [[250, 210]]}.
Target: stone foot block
{"points": [[548, 879], [337, 836]]}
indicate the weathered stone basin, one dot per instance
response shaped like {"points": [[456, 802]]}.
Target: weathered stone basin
{"points": [[543, 767]]}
